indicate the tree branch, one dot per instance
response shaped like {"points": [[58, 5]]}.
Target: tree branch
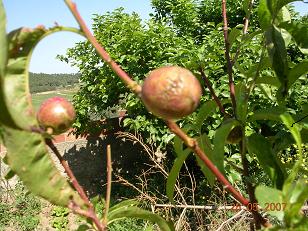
{"points": [[213, 94], [227, 54], [90, 213], [109, 179]]}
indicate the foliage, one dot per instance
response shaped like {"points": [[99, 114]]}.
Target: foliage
{"points": [[59, 218], [22, 212], [40, 82]]}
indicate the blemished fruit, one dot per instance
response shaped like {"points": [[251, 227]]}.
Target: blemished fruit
{"points": [[56, 115], [171, 92]]}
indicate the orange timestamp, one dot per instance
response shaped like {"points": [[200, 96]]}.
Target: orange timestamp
{"points": [[267, 206]]}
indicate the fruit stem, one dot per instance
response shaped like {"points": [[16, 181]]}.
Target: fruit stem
{"points": [[131, 84], [227, 54], [216, 99], [90, 213]]}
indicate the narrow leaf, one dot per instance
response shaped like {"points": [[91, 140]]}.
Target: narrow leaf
{"points": [[174, 172], [136, 212], [268, 114], [219, 142], [297, 71]]}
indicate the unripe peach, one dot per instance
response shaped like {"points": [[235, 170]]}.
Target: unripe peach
{"points": [[56, 115], [171, 92]]}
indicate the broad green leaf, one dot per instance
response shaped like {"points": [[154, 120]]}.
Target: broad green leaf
{"points": [[206, 146], [5, 117], [283, 16], [272, 113], [136, 212], [297, 71], [206, 109], [174, 172], [10, 174], [28, 157], [299, 32], [219, 141], [261, 147], [241, 101], [278, 54], [268, 80], [264, 14], [266, 195], [246, 6]]}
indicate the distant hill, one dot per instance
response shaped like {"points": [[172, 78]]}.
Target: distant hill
{"points": [[40, 82]]}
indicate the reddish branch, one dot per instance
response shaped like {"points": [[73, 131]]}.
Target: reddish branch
{"points": [[216, 99], [109, 179], [227, 54], [90, 213]]}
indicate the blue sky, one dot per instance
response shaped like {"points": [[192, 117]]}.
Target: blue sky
{"points": [[31, 13]]}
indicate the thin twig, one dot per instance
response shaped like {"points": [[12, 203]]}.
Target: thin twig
{"points": [[228, 58], [213, 94], [245, 30], [230, 219], [109, 172], [90, 213]]}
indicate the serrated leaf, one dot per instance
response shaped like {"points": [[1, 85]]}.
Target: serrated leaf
{"points": [[28, 157], [219, 141], [5, 117], [174, 172], [261, 147], [136, 212], [266, 195]]}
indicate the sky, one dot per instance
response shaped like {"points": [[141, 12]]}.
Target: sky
{"points": [[31, 13]]}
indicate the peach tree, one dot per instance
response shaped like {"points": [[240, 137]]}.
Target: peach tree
{"points": [[240, 69]]}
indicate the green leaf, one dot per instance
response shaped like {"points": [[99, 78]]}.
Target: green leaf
{"points": [[10, 174], [294, 129], [264, 14], [241, 101], [272, 113], [297, 71], [123, 204], [28, 157], [299, 32], [174, 172], [261, 147], [206, 109], [268, 80], [5, 117], [135, 212], [278, 54], [206, 146], [233, 35], [266, 195], [219, 141]]}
